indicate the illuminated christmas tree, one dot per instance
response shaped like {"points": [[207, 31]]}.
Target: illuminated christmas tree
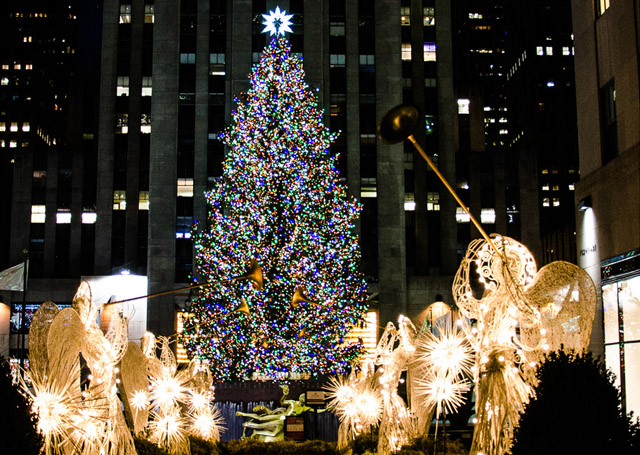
{"points": [[279, 203]]}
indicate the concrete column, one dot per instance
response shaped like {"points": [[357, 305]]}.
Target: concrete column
{"points": [[106, 129], [238, 50], [447, 112], [133, 139], [390, 179], [202, 115], [353, 103], [162, 169]]}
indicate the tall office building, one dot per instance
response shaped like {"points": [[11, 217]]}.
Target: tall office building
{"points": [[517, 160], [169, 71], [608, 195], [48, 78]]}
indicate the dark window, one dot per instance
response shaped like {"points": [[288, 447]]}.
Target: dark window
{"points": [[609, 128]]}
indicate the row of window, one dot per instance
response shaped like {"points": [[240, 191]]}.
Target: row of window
{"points": [[13, 143], [428, 16], [547, 187], [63, 216], [122, 87], [548, 50], [428, 49], [125, 14], [15, 126], [16, 66]]}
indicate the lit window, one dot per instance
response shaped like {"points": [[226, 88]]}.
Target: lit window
{"points": [[545, 202], [216, 64], [17, 66], [502, 120], [462, 216], [25, 144], [429, 50], [183, 227], [463, 106], [5, 66], [2, 143], [188, 59], [556, 201], [549, 50], [149, 14], [572, 187], [4, 81], [147, 86], [26, 127], [336, 28], [433, 202], [504, 132], [409, 202], [488, 216], [555, 188], [89, 217], [13, 144], [566, 50], [475, 16], [143, 200], [545, 171], [122, 123], [122, 89], [14, 127], [28, 66], [185, 188], [63, 217], [405, 15], [367, 60], [145, 124], [551, 84], [545, 187], [429, 16], [603, 5], [336, 60], [539, 50], [38, 214], [406, 51], [125, 14], [3, 126], [120, 200]]}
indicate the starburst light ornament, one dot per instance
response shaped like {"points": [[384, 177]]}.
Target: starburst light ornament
{"points": [[277, 22]]}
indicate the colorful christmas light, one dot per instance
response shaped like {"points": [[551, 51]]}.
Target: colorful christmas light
{"points": [[280, 203]]}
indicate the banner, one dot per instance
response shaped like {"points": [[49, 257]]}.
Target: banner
{"points": [[12, 279]]}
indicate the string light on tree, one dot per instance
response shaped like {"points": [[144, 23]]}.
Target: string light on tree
{"points": [[279, 203]]}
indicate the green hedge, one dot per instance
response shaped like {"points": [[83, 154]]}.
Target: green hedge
{"points": [[247, 447]]}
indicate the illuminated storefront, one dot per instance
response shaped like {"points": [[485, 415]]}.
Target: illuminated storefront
{"points": [[621, 305]]}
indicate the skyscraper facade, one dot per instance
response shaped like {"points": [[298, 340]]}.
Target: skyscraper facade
{"points": [[134, 175], [608, 195]]}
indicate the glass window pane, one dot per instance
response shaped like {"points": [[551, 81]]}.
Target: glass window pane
{"points": [[629, 296], [612, 361], [632, 376], [610, 307]]}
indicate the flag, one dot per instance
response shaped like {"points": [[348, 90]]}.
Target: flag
{"points": [[12, 279]]}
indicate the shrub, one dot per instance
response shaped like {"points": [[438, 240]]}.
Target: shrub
{"points": [[576, 409], [18, 425]]}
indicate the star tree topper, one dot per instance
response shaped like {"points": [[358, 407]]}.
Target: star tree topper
{"points": [[277, 22]]}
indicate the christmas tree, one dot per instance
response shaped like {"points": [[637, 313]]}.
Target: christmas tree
{"points": [[279, 203]]}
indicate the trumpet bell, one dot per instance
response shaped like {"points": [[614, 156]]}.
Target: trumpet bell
{"points": [[244, 308], [299, 297], [254, 273], [398, 124]]}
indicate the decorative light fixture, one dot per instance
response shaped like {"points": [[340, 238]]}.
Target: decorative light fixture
{"points": [[277, 22], [584, 204]]}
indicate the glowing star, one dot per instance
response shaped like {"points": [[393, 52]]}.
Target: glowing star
{"points": [[277, 22]]}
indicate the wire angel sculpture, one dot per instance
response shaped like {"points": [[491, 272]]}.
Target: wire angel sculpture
{"points": [[521, 314], [78, 376]]}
